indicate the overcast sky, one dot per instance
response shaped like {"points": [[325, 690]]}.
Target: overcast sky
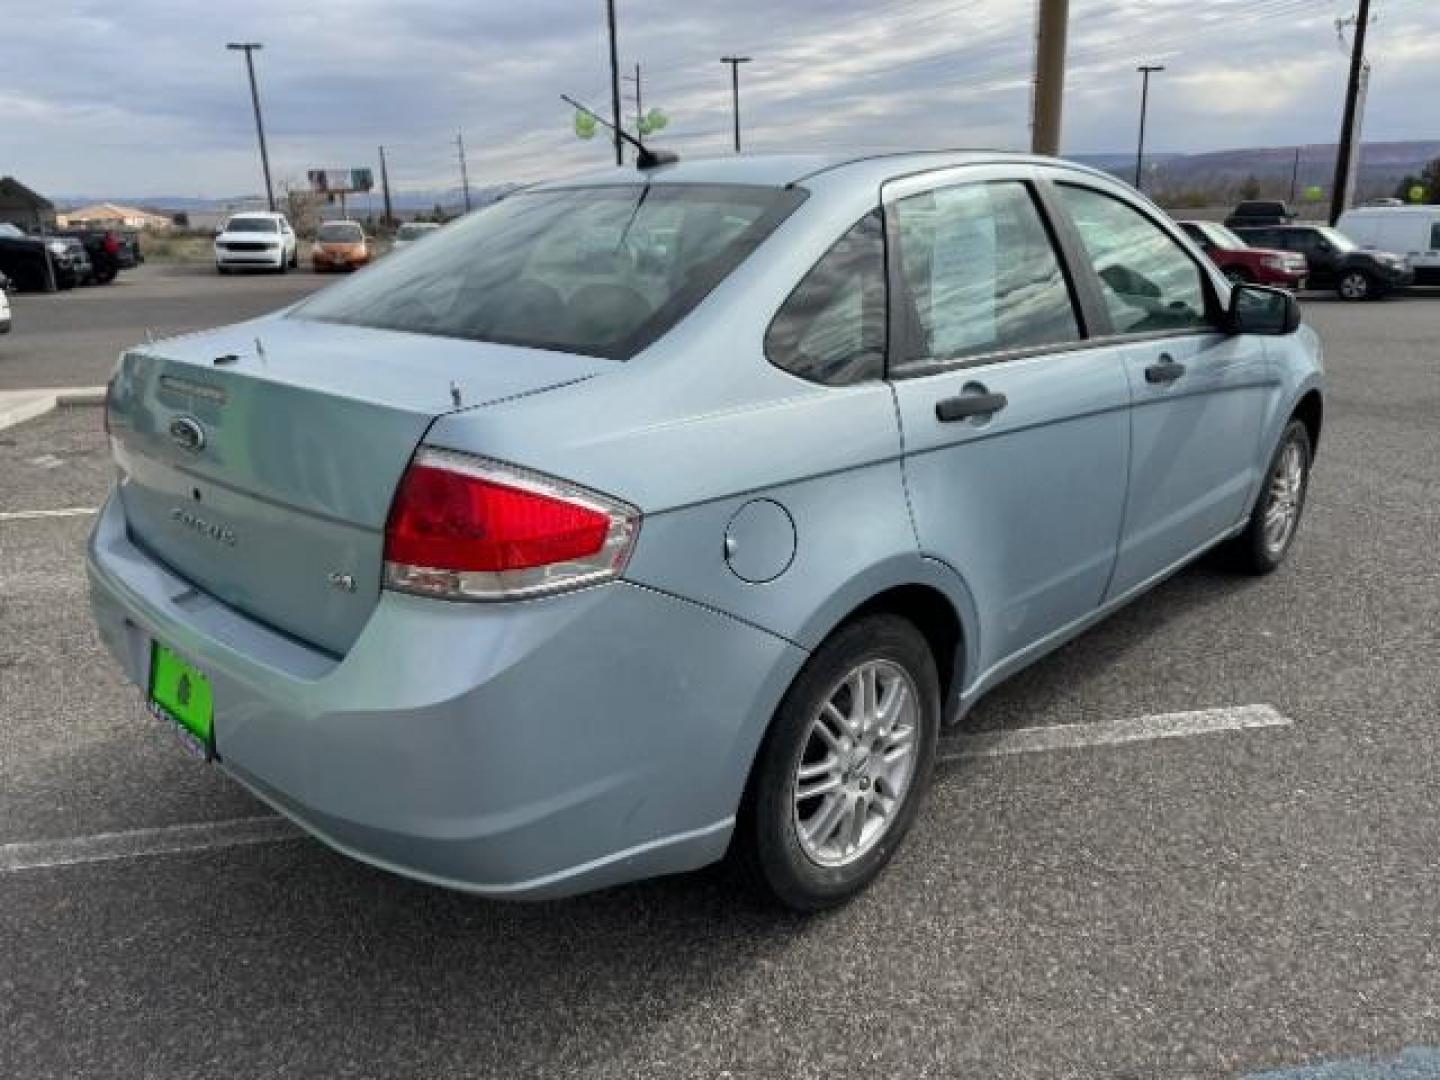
{"points": [[139, 97]]}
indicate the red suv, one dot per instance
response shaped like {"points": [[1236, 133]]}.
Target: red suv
{"points": [[1240, 262]]}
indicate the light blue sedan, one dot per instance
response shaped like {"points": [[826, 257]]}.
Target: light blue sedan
{"points": [[654, 515]]}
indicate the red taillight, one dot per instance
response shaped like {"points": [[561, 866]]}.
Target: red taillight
{"points": [[468, 528], [112, 244]]}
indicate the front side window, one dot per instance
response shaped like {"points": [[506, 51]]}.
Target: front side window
{"points": [[1149, 283], [981, 274], [600, 271], [832, 328]]}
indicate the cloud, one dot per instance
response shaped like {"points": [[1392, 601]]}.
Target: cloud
{"points": [[160, 107]]}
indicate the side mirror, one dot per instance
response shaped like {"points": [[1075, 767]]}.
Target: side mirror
{"points": [[1259, 309]]}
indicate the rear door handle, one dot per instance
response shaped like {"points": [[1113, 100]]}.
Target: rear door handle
{"points": [[964, 406], [1166, 371]]}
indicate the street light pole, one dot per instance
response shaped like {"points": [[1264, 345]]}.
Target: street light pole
{"points": [[735, 62], [248, 48], [1145, 72]]}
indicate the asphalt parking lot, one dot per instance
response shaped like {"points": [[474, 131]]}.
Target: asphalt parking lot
{"points": [[1219, 905], [72, 338]]}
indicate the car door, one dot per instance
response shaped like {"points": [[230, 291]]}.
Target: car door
{"points": [[1016, 434], [1200, 394]]}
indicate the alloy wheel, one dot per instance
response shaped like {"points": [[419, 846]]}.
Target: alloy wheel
{"points": [[1354, 286], [1287, 490], [856, 763]]}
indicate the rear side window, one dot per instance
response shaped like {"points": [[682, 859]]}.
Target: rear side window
{"points": [[981, 274], [1149, 283], [599, 271], [1435, 236], [832, 328]]}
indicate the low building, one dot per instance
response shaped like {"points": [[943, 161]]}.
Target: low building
{"points": [[113, 216], [25, 208]]}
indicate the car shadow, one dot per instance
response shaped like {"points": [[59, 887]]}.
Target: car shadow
{"points": [[1054, 680]]}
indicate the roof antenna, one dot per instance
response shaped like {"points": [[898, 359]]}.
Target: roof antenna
{"points": [[644, 158], [259, 350], [454, 394]]}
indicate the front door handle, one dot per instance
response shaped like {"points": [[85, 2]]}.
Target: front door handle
{"points": [[964, 406], [1166, 371]]}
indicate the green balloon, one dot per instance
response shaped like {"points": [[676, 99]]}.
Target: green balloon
{"points": [[656, 120], [584, 125], [1417, 194], [1314, 193]]}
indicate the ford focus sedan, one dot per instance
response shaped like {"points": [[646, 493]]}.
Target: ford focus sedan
{"points": [[650, 517]]}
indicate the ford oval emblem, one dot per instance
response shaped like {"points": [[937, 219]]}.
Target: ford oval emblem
{"points": [[187, 433]]}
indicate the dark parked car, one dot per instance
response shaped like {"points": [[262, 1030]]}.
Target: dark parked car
{"points": [[108, 251], [1257, 212], [1336, 261], [1242, 263], [41, 263]]}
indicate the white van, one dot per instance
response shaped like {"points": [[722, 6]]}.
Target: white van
{"points": [[1412, 232]]}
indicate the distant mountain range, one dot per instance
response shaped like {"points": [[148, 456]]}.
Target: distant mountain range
{"points": [[1382, 167]]}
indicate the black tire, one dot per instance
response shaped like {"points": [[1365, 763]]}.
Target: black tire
{"points": [[221, 269], [295, 259], [767, 842], [1356, 285], [105, 277], [1252, 552]]}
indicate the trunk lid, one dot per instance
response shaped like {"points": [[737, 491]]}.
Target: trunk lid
{"points": [[265, 479]]}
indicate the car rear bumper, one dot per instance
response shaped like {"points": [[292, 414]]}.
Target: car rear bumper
{"points": [[521, 750], [4, 324]]}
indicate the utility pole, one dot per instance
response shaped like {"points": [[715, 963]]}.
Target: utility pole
{"points": [[639, 108], [1295, 178], [1347, 158], [1047, 100], [735, 62], [248, 48], [614, 80], [1145, 72], [385, 188], [464, 173]]}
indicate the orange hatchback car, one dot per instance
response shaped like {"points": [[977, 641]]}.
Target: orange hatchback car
{"points": [[340, 245]]}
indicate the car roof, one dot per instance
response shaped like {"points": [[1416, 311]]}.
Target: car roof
{"points": [[779, 170]]}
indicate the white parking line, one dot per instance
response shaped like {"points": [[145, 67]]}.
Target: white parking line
{"points": [[38, 515], [1111, 732], [138, 843]]}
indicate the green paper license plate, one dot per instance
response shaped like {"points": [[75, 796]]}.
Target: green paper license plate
{"points": [[181, 694]]}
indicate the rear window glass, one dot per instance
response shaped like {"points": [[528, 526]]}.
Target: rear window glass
{"points": [[252, 224], [340, 232], [600, 271]]}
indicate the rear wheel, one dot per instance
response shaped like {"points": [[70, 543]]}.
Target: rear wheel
{"points": [[1356, 285], [845, 765], [1275, 518]]}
